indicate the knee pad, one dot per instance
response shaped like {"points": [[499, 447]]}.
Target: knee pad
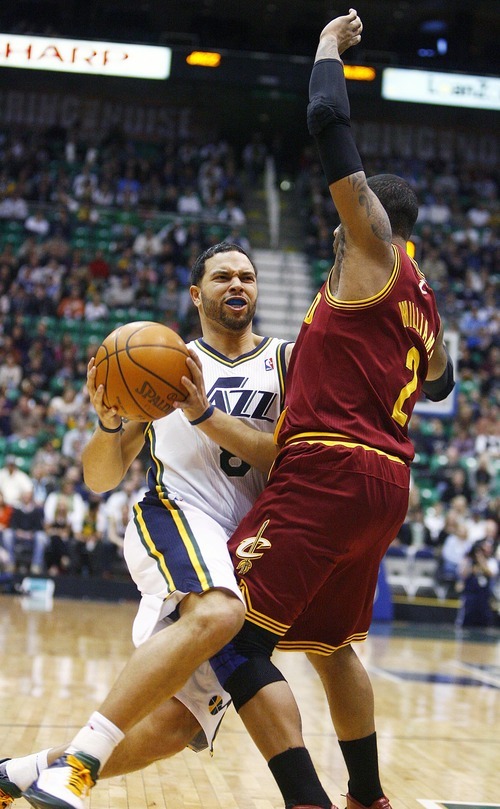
{"points": [[244, 666], [249, 678]]}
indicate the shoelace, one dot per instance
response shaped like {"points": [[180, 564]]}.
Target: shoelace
{"points": [[80, 779], [5, 800]]}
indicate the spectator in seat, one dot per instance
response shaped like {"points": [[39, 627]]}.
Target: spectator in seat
{"points": [[87, 546], [5, 515], [95, 308], [414, 533], [11, 372], [189, 203], [72, 305], [64, 408], [112, 550], [477, 573], [26, 528], [72, 499], [254, 157], [457, 485], [128, 188], [99, 267], [14, 483], [147, 243], [38, 224], [59, 536], [76, 439], [232, 215], [455, 547], [27, 417], [14, 206], [120, 292]]}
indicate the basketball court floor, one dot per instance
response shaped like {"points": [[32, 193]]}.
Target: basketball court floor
{"points": [[437, 698]]}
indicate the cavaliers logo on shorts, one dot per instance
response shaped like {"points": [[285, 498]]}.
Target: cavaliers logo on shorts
{"points": [[251, 549]]}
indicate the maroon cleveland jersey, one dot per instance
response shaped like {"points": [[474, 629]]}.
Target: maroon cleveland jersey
{"points": [[358, 366]]}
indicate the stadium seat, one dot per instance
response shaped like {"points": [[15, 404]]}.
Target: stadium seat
{"points": [[22, 447]]}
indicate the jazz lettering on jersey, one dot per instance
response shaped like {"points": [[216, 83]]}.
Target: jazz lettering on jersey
{"points": [[230, 395], [413, 318]]}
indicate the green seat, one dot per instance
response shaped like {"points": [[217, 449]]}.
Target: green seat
{"points": [[82, 231], [320, 270], [438, 462], [82, 243], [145, 314], [429, 495], [22, 448], [421, 460], [56, 385], [24, 464], [94, 326], [14, 226], [74, 327], [15, 239]]}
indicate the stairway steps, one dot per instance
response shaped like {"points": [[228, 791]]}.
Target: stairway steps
{"points": [[285, 292]]}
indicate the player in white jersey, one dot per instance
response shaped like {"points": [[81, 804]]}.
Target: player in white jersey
{"points": [[250, 387], [175, 545], [176, 541]]}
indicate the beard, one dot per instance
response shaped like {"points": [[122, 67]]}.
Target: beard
{"points": [[218, 313]]}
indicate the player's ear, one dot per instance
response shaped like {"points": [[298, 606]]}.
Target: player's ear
{"points": [[194, 291]]}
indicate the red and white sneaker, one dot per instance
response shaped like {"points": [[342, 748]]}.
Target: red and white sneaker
{"points": [[381, 803]]}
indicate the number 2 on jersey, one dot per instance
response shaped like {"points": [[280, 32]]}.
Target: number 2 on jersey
{"points": [[412, 363]]}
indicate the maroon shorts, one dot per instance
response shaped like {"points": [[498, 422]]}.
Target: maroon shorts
{"points": [[307, 554]]}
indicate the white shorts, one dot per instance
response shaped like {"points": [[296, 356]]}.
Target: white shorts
{"points": [[171, 553]]}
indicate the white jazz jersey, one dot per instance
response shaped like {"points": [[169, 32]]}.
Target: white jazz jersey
{"points": [[176, 542], [188, 466]]}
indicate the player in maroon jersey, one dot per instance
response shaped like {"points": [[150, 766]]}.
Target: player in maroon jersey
{"points": [[308, 552]]}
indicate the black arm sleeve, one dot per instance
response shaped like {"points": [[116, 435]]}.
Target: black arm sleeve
{"points": [[440, 388], [328, 120]]}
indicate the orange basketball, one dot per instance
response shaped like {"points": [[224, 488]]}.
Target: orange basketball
{"points": [[140, 365]]}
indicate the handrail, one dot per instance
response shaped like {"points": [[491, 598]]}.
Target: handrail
{"points": [[273, 203]]}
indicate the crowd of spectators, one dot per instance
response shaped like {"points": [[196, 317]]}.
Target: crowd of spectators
{"points": [[93, 233], [90, 236], [70, 255]]}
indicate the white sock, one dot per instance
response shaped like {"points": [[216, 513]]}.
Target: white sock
{"points": [[23, 771], [98, 738]]}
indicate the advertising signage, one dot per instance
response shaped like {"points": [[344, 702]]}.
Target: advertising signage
{"points": [[83, 56], [447, 89]]}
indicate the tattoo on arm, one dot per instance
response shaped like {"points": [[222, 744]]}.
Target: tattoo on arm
{"points": [[378, 222]]}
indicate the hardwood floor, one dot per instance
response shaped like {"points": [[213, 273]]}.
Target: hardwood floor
{"points": [[437, 701]]}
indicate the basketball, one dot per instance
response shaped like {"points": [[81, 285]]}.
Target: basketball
{"points": [[140, 365]]}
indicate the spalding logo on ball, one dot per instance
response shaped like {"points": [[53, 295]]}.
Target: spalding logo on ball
{"points": [[140, 365]]}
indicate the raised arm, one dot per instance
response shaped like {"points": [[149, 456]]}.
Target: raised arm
{"points": [[365, 224], [113, 445]]}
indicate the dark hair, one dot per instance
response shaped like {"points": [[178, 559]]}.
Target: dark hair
{"points": [[474, 550], [399, 200], [198, 268]]}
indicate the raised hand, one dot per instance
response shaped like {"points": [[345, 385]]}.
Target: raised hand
{"points": [[345, 30], [107, 415]]}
